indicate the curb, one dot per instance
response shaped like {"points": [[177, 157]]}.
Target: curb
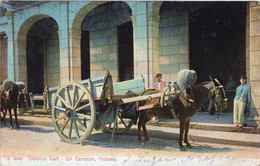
{"points": [[40, 122], [209, 127]]}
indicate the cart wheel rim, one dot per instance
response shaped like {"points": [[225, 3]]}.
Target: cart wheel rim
{"points": [[123, 126], [72, 105]]}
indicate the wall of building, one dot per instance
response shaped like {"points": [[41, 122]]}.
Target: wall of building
{"points": [[174, 43], [3, 57], [3, 48], [3, 24], [160, 40]]}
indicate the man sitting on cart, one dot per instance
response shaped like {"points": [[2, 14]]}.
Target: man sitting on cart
{"points": [[159, 83]]}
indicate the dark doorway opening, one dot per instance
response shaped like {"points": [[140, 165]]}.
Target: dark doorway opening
{"points": [[43, 55], [35, 61], [125, 51], [218, 41], [85, 55]]}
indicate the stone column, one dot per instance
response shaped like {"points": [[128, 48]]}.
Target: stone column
{"points": [[75, 54], [153, 19], [254, 62], [146, 42], [65, 75], [140, 41], [248, 41], [11, 65]]}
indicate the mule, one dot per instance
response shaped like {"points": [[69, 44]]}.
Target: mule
{"points": [[22, 100], [11, 97], [184, 109]]}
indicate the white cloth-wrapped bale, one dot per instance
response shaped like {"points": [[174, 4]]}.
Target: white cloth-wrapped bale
{"points": [[186, 78]]}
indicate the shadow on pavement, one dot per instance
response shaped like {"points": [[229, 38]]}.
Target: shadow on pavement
{"points": [[131, 142], [37, 129]]}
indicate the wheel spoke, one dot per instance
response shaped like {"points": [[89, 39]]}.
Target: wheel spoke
{"points": [[63, 101], [78, 102], [76, 128], [60, 109], [74, 95], [68, 93], [79, 121], [70, 129], [122, 121], [88, 117], [117, 128], [82, 107], [60, 118], [62, 129]]}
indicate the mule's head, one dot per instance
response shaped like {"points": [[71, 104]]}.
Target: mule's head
{"points": [[22, 98], [218, 95]]}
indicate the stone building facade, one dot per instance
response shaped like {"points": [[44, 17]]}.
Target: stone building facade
{"points": [[160, 41]]}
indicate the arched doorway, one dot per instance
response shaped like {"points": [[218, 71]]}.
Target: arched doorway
{"points": [[209, 37], [102, 41], [42, 55]]}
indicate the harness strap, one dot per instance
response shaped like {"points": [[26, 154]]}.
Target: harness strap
{"points": [[183, 95], [192, 95]]}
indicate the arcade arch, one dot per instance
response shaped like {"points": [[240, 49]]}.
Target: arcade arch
{"points": [[39, 53], [99, 31]]}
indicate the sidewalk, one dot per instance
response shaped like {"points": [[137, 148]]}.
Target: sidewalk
{"points": [[205, 117], [204, 121], [199, 132]]}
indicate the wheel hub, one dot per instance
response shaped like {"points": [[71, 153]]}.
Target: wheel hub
{"points": [[69, 113]]}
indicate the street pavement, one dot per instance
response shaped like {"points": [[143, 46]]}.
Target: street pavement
{"points": [[220, 130], [41, 146]]}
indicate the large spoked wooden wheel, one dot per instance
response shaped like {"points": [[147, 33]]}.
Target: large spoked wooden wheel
{"points": [[122, 126], [73, 112]]}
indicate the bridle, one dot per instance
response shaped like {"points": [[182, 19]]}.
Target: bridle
{"points": [[224, 99], [222, 89]]}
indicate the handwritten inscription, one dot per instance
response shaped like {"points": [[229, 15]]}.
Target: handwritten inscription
{"points": [[193, 158], [142, 158]]}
